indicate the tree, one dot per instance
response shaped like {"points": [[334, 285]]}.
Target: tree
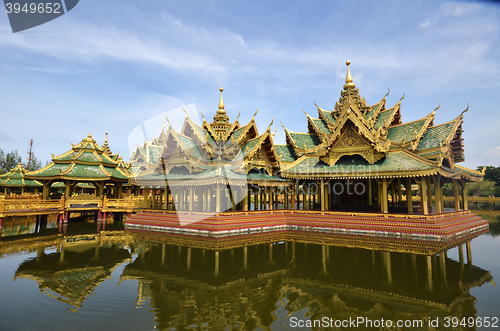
{"points": [[33, 164], [9, 161], [483, 188]]}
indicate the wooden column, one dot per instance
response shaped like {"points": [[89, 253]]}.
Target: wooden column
{"points": [[246, 195], [294, 197], [423, 196], [409, 196]]}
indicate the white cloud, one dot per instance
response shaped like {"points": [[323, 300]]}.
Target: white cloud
{"points": [[493, 152]]}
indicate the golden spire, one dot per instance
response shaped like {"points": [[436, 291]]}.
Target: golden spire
{"points": [[348, 78], [106, 140], [221, 101]]}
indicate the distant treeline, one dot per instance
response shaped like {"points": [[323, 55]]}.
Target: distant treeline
{"points": [[9, 160]]}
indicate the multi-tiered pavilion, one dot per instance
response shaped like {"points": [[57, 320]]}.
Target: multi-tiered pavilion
{"points": [[356, 157], [355, 164]]}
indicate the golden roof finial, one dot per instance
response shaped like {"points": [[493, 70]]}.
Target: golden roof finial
{"points": [[221, 101], [348, 78], [106, 140]]}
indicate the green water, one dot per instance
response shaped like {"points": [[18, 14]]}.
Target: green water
{"points": [[81, 277]]}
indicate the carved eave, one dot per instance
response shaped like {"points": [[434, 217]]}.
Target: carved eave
{"points": [[263, 154], [313, 128], [350, 143], [249, 133], [413, 143], [327, 119], [190, 129], [380, 107], [209, 128], [452, 147]]}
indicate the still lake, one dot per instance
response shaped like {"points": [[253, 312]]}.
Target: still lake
{"points": [[90, 276]]}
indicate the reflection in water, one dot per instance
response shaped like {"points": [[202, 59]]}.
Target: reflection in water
{"points": [[255, 281]]}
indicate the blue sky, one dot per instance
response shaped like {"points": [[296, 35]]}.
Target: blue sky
{"points": [[112, 65]]}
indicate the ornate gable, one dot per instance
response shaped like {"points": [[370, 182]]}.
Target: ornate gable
{"points": [[351, 143]]}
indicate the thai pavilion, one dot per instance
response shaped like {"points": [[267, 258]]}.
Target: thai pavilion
{"points": [[356, 157], [85, 163]]}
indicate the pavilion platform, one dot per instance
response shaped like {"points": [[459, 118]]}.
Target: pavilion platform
{"points": [[438, 227]]}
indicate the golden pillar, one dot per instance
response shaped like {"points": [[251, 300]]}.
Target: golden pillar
{"points": [[429, 193], [271, 198], [438, 195], [245, 198], [423, 196], [217, 207], [191, 198], [294, 196], [400, 191], [464, 195], [146, 197], [456, 195], [45, 190], [384, 197], [165, 197], [409, 196]]}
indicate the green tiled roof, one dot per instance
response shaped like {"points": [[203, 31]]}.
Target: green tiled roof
{"points": [[19, 182], [188, 144], [384, 116], [345, 167], [86, 171], [434, 136], [68, 157], [288, 153], [321, 125], [51, 170], [328, 115], [311, 140], [406, 131], [372, 111], [250, 144], [88, 157], [154, 154], [116, 173], [237, 133]]}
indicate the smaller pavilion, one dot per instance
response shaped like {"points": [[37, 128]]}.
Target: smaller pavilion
{"points": [[16, 178], [86, 162]]}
